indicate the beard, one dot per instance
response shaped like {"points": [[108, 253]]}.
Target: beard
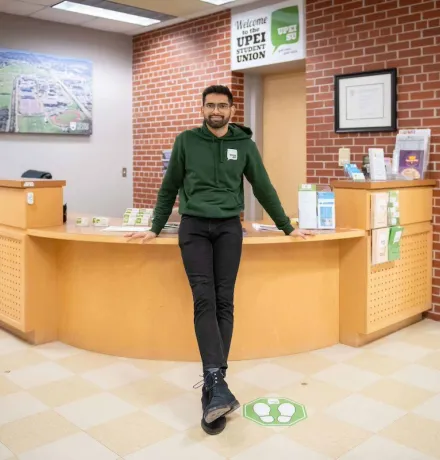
{"points": [[217, 121]]}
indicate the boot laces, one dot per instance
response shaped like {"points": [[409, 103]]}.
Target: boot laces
{"points": [[209, 381]]}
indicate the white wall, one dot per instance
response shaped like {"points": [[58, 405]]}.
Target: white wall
{"points": [[92, 166]]}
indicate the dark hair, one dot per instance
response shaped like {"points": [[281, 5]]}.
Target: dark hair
{"points": [[218, 89]]}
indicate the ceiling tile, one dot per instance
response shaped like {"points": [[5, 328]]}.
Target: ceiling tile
{"points": [[49, 14], [18, 7], [42, 2], [110, 25]]}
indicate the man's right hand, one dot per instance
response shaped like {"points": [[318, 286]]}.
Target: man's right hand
{"points": [[145, 237]]}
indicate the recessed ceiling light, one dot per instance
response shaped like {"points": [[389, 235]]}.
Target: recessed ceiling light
{"points": [[218, 2], [104, 13]]}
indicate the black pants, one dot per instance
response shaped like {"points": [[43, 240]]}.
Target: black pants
{"points": [[211, 252]]}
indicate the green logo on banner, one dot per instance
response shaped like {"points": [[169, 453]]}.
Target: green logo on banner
{"points": [[285, 26], [274, 412]]}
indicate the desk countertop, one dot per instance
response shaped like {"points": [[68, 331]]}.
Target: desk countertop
{"points": [[70, 232]]}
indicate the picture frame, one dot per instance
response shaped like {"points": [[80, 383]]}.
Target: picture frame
{"points": [[366, 101]]}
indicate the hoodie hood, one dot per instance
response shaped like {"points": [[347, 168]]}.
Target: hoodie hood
{"points": [[235, 132]]}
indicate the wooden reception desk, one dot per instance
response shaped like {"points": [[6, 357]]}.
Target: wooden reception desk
{"points": [[96, 291], [379, 299]]}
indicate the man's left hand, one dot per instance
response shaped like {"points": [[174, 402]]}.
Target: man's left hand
{"points": [[302, 233]]}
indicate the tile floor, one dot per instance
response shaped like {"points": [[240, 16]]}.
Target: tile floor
{"points": [[381, 402]]}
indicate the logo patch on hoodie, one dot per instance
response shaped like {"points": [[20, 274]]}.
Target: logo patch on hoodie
{"points": [[232, 154]]}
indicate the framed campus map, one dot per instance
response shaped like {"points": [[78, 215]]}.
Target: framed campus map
{"points": [[44, 94]]}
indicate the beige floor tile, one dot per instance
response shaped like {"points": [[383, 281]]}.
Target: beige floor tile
{"points": [[16, 406], [19, 359], [56, 350], [397, 394], [179, 447], [131, 433], [95, 410], [35, 431], [416, 432], [7, 387], [239, 435], [234, 367], [432, 360], [5, 453], [402, 350], [279, 447], [430, 409], [65, 391], [426, 325], [305, 363], [315, 395], [115, 375], [335, 437], [77, 446], [338, 353], [154, 367], [148, 392], [380, 448], [347, 377], [10, 344], [269, 376], [243, 391], [365, 413], [419, 376], [39, 374], [181, 413], [184, 376], [85, 361], [423, 339], [374, 362]]}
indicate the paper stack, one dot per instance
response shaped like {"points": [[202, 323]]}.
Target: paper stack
{"points": [[377, 164], [379, 250], [379, 209]]}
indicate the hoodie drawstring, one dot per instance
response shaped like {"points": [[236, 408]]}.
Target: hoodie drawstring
{"points": [[215, 164]]}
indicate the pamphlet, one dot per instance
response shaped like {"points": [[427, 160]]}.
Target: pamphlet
{"points": [[411, 164], [393, 208], [413, 140], [394, 243], [379, 247], [326, 210], [379, 209], [377, 164], [307, 206]]}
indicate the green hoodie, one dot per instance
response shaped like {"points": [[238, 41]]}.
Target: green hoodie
{"points": [[207, 172]]}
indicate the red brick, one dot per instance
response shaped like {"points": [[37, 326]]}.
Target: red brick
{"points": [[397, 12], [423, 42], [423, 6]]}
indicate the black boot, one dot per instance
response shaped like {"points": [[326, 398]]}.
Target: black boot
{"points": [[217, 426], [221, 400]]}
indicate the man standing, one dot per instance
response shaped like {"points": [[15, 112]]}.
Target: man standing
{"points": [[206, 168]]}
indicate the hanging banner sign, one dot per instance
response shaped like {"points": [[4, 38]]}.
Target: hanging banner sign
{"points": [[268, 35]]}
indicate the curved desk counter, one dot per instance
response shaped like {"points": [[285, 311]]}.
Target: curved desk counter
{"points": [[94, 290]]}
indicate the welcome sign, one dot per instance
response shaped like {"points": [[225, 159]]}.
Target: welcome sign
{"points": [[268, 35]]}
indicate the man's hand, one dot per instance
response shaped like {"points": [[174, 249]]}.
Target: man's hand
{"points": [[302, 233], [145, 237]]}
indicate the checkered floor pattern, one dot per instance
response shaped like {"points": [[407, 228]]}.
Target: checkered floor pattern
{"points": [[379, 402]]}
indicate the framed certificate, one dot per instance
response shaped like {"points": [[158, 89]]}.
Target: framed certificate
{"points": [[366, 101]]}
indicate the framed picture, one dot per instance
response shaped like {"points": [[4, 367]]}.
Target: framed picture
{"points": [[366, 101], [45, 94]]}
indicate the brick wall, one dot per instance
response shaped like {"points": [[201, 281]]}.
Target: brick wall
{"points": [[345, 36], [171, 67]]}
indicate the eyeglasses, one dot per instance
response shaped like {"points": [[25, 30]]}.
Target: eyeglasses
{"points": [[220, 107]]}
